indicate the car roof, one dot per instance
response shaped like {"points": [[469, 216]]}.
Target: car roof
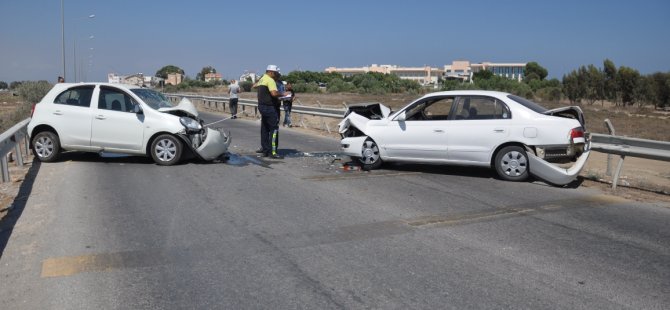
{"points": [[117, 85], [468, 93]]}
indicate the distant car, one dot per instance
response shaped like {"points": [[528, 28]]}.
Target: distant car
{"points": [[513, 135], [117, 118]]}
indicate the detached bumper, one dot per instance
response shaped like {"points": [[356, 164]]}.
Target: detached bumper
{"points": [[215, 144], [554, 174]]}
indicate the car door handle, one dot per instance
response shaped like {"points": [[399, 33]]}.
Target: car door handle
{"points": [[498, 130], [438, 131], [100, 116], [58, 112]]}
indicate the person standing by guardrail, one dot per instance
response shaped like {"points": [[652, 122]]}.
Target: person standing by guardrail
{"points": [[287, 101], [233, 95], [268, 95]]}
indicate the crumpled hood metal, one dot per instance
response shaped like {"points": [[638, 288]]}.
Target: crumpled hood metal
{"points": [[369, 110], [358, 115], [184, 105], [353, 119]]}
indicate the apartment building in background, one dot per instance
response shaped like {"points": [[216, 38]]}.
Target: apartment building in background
{"points": [[426, 75], [138, 79], [423, 75]]}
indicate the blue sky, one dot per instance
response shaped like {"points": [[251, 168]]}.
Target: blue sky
{"points": [[133, 36]]}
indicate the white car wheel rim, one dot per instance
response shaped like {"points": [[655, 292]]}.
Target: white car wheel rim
{"points": [[166, 150], [44, 147], [370, 153], [514, 164]]}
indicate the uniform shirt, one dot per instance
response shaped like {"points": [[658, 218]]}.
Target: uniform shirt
{"points": [[265, 85]]}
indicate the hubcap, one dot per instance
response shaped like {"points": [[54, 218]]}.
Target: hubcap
{"points": [[166, 150], [514, 164], [44, 147], [370, 153]]}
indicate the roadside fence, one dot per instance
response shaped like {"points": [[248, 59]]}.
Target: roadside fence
{"points": [[10, 140], [251, 106], [626, 146]]}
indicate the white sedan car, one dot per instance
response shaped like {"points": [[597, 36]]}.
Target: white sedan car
{"points": [[116, 118], [513, 135]]}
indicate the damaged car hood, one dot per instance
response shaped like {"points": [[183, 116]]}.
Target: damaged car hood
{"points": [[373, 110], [358, 115], [185, 106]]}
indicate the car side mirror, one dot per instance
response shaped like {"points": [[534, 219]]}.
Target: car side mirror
{"points": [[402, 117], [137, 109]]}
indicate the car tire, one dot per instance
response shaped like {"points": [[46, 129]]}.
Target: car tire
{"points": [[370, 157], [511, 163], [46, 146], [166, 150]]}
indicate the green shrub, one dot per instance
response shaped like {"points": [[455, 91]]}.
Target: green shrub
{"points": [[32, 92]]}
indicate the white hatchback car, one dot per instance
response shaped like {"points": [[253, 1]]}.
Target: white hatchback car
{"points": [[513, 135], [117, 118]]}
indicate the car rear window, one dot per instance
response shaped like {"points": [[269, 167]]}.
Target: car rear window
{"points": [[77, 96], [528, 104]]}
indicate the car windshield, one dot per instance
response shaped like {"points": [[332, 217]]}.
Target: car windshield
{"points": [[154, 99], [528, 104]]}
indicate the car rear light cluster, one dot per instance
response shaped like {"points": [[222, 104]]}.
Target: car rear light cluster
{"points": [[32, 110], [577, 132]]}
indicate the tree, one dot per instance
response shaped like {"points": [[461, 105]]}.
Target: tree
{"points": [[3, 85], [534, 67], [163, 72], [14, 85], [32, 92], [206, 70], [573, 89], [627, 84], [610, 84], [482, 75], [595, 83]]}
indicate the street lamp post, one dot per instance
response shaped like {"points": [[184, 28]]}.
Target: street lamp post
{"points": [[74, 46], [62, 31]]}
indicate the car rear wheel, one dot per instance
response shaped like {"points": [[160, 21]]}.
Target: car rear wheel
{"points": [[370, 158], [511, 163], [46, 146], [166, 150]]}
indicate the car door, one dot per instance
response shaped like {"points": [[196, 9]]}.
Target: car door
{"points": [[115, 125], [422, 135], [70, 115], [478, 125]]}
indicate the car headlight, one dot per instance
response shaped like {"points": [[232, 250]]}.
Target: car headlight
{"points": [[190, 124]]}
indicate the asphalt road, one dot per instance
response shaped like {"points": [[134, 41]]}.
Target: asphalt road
{"points": [[113, 232]]}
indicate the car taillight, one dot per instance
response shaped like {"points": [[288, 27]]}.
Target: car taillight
{"points": [[576, 133], [32, 110]]}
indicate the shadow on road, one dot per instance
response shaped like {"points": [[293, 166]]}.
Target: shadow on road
{"points": [[16, 209]]}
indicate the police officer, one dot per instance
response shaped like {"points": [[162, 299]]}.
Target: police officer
{"points": [[268, 100]]}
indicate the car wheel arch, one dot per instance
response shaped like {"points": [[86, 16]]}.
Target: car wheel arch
{"points": [[504, 145], [42, 128], [150, 141]]}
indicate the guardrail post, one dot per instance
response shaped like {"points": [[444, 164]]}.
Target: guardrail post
{"points": [[19, 156], [5, 169], [610, 128], [618, 172]]}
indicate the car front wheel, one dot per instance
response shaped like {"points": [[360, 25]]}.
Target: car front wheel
{"points": [[511, 163], [166, 150], [370, 158], [46, 146]]}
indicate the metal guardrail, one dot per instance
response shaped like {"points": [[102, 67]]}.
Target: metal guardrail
{"points": [[10, 141], [220, 104], [625, 146]]}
